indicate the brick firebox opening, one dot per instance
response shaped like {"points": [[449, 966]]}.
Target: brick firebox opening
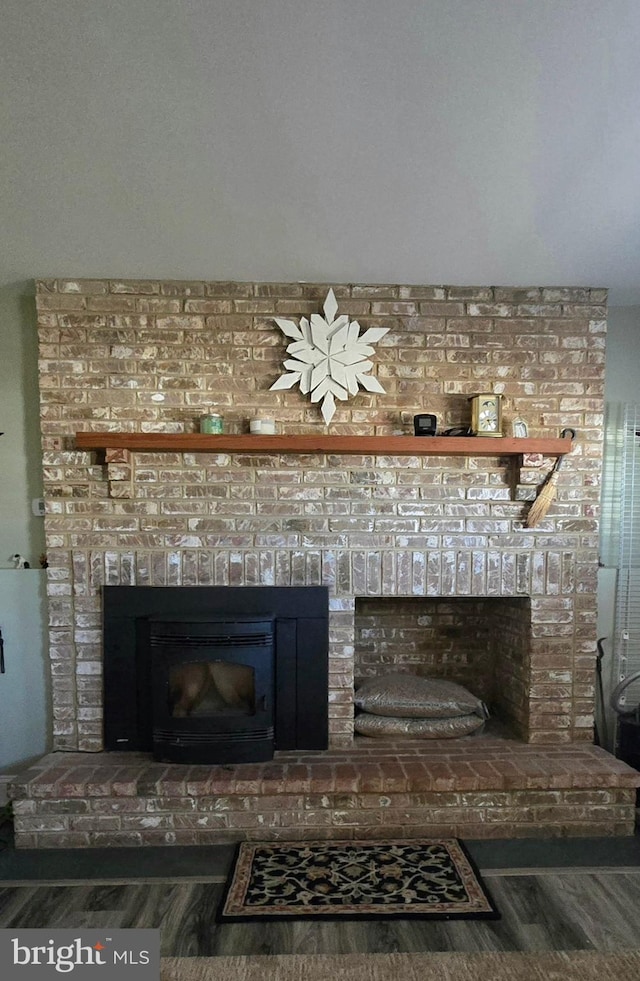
{"points": [[483, 643]]}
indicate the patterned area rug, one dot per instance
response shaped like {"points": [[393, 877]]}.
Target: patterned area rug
{"points": [[431, 878]]}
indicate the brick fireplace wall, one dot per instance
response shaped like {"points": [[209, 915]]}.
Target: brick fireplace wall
{"points": [[153, 356]]}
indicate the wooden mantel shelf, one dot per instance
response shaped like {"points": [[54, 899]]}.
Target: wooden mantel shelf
{"points": [[322, 443]]}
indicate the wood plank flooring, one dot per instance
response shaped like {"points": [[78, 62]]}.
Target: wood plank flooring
{"points": [[541, 910]]}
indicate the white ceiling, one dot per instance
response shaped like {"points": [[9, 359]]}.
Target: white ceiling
{"points": [[432, 141]]}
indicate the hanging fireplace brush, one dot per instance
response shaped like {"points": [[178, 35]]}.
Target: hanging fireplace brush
{"points": [[547, 493]]}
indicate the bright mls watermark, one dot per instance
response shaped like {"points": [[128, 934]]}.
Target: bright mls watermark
{"points": [[35, 955]]}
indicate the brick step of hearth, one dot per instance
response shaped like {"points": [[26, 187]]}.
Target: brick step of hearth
{"points": [[482, 787]]}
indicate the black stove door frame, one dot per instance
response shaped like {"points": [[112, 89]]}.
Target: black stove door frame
{"points": [[301, 659]]}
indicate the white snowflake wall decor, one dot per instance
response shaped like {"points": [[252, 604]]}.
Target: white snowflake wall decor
{"points": [[329, 357]]}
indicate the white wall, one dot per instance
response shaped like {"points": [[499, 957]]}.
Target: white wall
{"points": [[20, 459], [427, 141], [25, 721], [622, 377]]}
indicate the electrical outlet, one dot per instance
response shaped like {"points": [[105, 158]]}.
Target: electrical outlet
{"points": [[37, 507]]}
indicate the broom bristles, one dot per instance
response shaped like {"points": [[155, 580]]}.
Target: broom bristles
{"points": [[547, 493], [543, 501]]}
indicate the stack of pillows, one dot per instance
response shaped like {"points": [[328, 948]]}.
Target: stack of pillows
{"points": [[423, 708]]}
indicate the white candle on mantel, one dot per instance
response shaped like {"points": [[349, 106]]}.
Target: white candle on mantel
{"points": [[262, 426]]}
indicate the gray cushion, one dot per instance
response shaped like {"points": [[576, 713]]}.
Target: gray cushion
{"points": [[380, 725], [407, 696]]}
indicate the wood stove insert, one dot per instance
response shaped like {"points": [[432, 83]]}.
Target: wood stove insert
{"points": [[217, 674]]}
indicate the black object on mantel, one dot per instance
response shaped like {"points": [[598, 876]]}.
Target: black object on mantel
{"points": [[425, 424]]}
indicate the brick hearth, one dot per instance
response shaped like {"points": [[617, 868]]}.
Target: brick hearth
{"points": [[484, 787]]}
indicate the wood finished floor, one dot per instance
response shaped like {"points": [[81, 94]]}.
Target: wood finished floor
{"points": [[549, 910]]}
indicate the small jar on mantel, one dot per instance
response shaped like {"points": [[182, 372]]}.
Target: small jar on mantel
{"points": [[212, 424]]}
